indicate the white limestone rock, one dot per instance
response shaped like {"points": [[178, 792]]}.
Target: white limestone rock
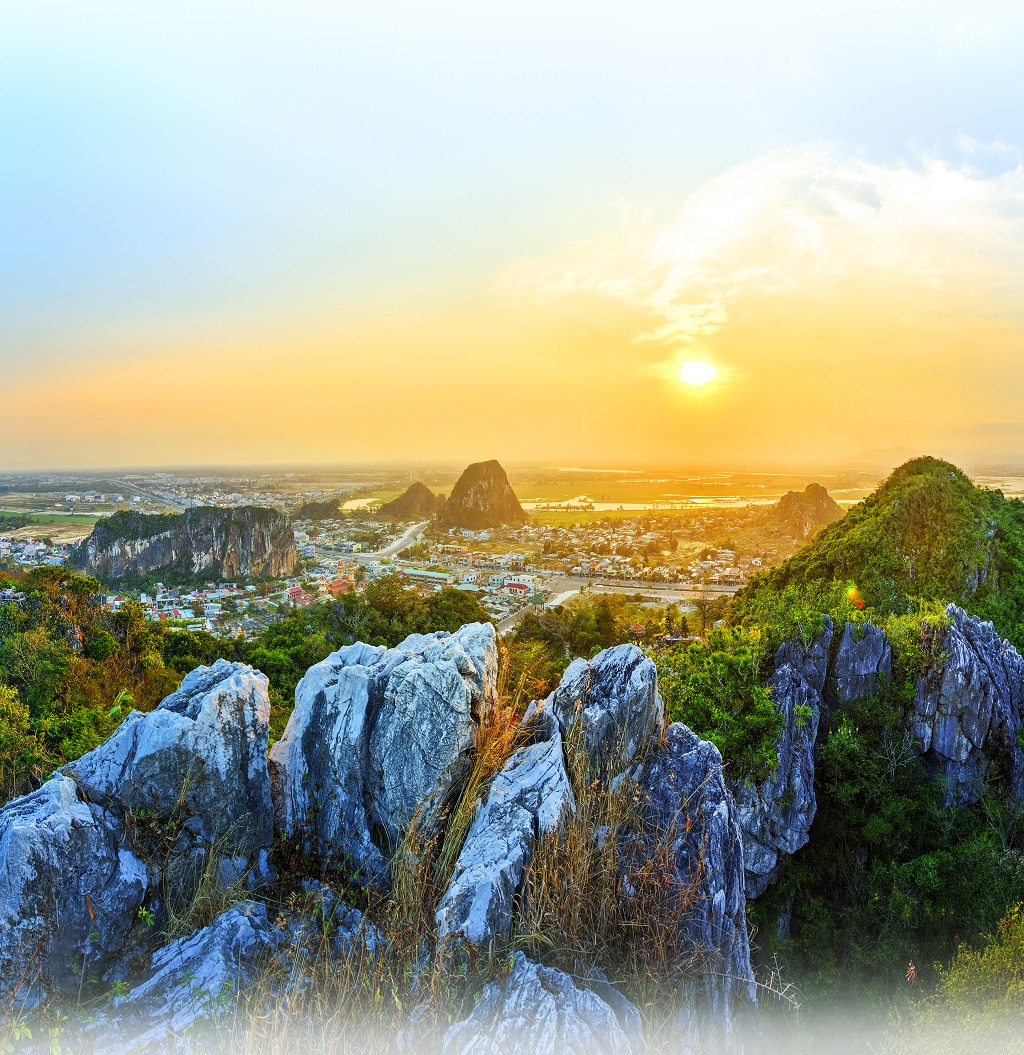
{"points": [[69, 891], [615, 698], [529, 797], [200, 755], [378, 737], [538, 1010]]}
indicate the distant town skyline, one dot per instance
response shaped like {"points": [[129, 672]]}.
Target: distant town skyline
{"points": [[659, 234]]}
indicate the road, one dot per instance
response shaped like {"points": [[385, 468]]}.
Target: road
{"points": [[564, 588], [406, 539]]}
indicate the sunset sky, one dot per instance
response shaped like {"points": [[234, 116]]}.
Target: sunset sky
{"points": [[328, 232]]}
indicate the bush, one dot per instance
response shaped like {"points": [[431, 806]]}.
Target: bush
{"points": [[714, 687]]}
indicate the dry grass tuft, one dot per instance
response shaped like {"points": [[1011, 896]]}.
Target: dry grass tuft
{"points": [[599, 894]]}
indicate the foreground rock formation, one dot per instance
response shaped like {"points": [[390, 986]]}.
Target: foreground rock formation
{"points": [[776, 814], [378, 744], [965, 724], [377, 738], [81, 872], [545, 1012], [530, 797], [967, 711], [245, 542]]}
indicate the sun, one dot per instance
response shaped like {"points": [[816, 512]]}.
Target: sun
{"points": [[697, 372]]}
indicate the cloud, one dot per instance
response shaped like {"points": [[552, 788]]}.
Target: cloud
{"points": [[805, 222]]}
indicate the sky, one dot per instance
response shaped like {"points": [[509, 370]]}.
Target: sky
{"points": [[260, 233]]}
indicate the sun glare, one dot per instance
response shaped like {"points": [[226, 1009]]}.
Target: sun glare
{"points": [[697, 372]]}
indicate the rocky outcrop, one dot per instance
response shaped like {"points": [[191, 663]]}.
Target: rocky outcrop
{"points": [[538, 1010], [610, 705], [530, 796], [418, 502], [245, 542], [69, 891], [377, 738], [863, 660], [482, 498], [967, 710], [775, 814], [192, 986], [690, 819], [800, 514], [200, 760]]}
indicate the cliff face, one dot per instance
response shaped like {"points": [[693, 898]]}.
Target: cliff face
{"points": [[800, 514], [417, 502], [482, 498], [248, 542]]}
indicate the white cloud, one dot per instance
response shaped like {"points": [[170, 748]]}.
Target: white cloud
{"points": [[799, 222]]}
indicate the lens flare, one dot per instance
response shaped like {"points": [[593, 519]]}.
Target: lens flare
{"points": [[697, 372]]}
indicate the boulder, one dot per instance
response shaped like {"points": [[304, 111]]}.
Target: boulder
{"points": [[689, 817], [325, 920], [538, 1010], [614, 697], [775, 814], [69, 892], [377, 738], [192, 986], [529, 797], [199, 759], [863, 659], [318, 766], [967, 709]]}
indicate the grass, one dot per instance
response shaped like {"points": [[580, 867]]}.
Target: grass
{"points": [[611, 902]]}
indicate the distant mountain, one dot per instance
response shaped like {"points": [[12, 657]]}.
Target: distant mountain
{"points": [[418, 503], [800, 514], [324, 509], [482, 498], [244, 542], [926, 532]]}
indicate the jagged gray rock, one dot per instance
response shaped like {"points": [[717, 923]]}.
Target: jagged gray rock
{"points": [[378, 737], [775, 814], [191, 985], [538, 1010], [967, 710], [200, 758], [689, 812], [325, 919], [615, 698], [863, 659], [530, 796], [69, 891]]}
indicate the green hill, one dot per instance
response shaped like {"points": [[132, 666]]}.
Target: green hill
{"points": [[927, 533]]}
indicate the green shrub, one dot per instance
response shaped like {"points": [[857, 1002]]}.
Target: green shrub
{"points": [[714, 687]]}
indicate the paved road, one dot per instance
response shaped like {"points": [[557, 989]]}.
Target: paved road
{"points": [[408, 537], [654, 591], [565, 588]]}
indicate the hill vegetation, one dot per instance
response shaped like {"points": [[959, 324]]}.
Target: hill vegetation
{"points": [[482, 498], [926, 534], [417, 502], [136, 549], [324, 509]]}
